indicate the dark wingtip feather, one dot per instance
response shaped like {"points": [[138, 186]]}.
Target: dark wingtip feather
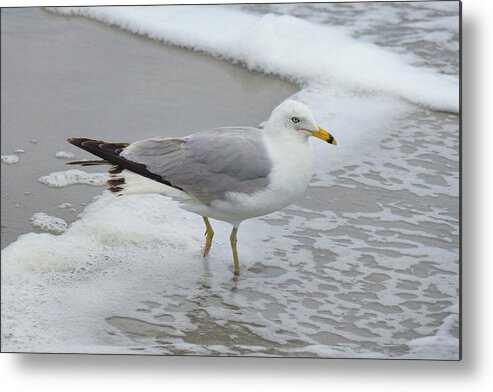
{"points": [[87, 162], [76, 141], [115, 170], [115, 182]]}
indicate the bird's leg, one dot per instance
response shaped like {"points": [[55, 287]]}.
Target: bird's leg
{"points": [[233, 241], [209, 233]]}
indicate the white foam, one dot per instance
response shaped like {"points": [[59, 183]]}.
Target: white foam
{"points": [[434, 347], [10, 159], [64, 155], [19, 151], [101, 225], [73, 176], [442, 345], [308, 53], [48, 223]]}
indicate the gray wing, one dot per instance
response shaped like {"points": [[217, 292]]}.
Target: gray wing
{"points": [[207, 164]]}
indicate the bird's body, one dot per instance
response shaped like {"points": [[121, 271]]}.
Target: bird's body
{"points": [[229, 174], [285, 170]]}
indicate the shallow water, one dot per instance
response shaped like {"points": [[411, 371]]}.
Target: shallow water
{"points": [[365, 265]]}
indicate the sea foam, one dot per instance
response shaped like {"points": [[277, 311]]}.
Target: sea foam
{"points": [[48, 223], [310, 54], [64, 155], [10, 159], [72, 177]]}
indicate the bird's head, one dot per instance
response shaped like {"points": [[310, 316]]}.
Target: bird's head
{"points": [[294, 118]]}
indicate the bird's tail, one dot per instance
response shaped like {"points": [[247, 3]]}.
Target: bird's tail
{"points": [[88, 162], [109, 152], [126, 177]]}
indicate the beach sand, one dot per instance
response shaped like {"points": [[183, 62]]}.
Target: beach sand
{"points": [[64, 77]]}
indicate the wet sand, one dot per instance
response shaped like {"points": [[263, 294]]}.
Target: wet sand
{"points": [[64, 77]]}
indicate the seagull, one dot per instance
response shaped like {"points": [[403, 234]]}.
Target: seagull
{"points": [[229, 174]]}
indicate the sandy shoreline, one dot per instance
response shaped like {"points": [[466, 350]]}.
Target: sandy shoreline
{"points": [[66, 77]]}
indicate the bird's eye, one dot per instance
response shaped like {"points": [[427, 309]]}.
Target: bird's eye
{"points": [[295, 120]]}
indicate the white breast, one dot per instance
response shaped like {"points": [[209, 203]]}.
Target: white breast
{"points": [[292, 168]]}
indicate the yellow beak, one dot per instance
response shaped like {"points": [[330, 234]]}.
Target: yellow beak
{"points": [[324, 135]]}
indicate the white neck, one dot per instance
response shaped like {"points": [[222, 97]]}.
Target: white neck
{"points": [[292, 168]]}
